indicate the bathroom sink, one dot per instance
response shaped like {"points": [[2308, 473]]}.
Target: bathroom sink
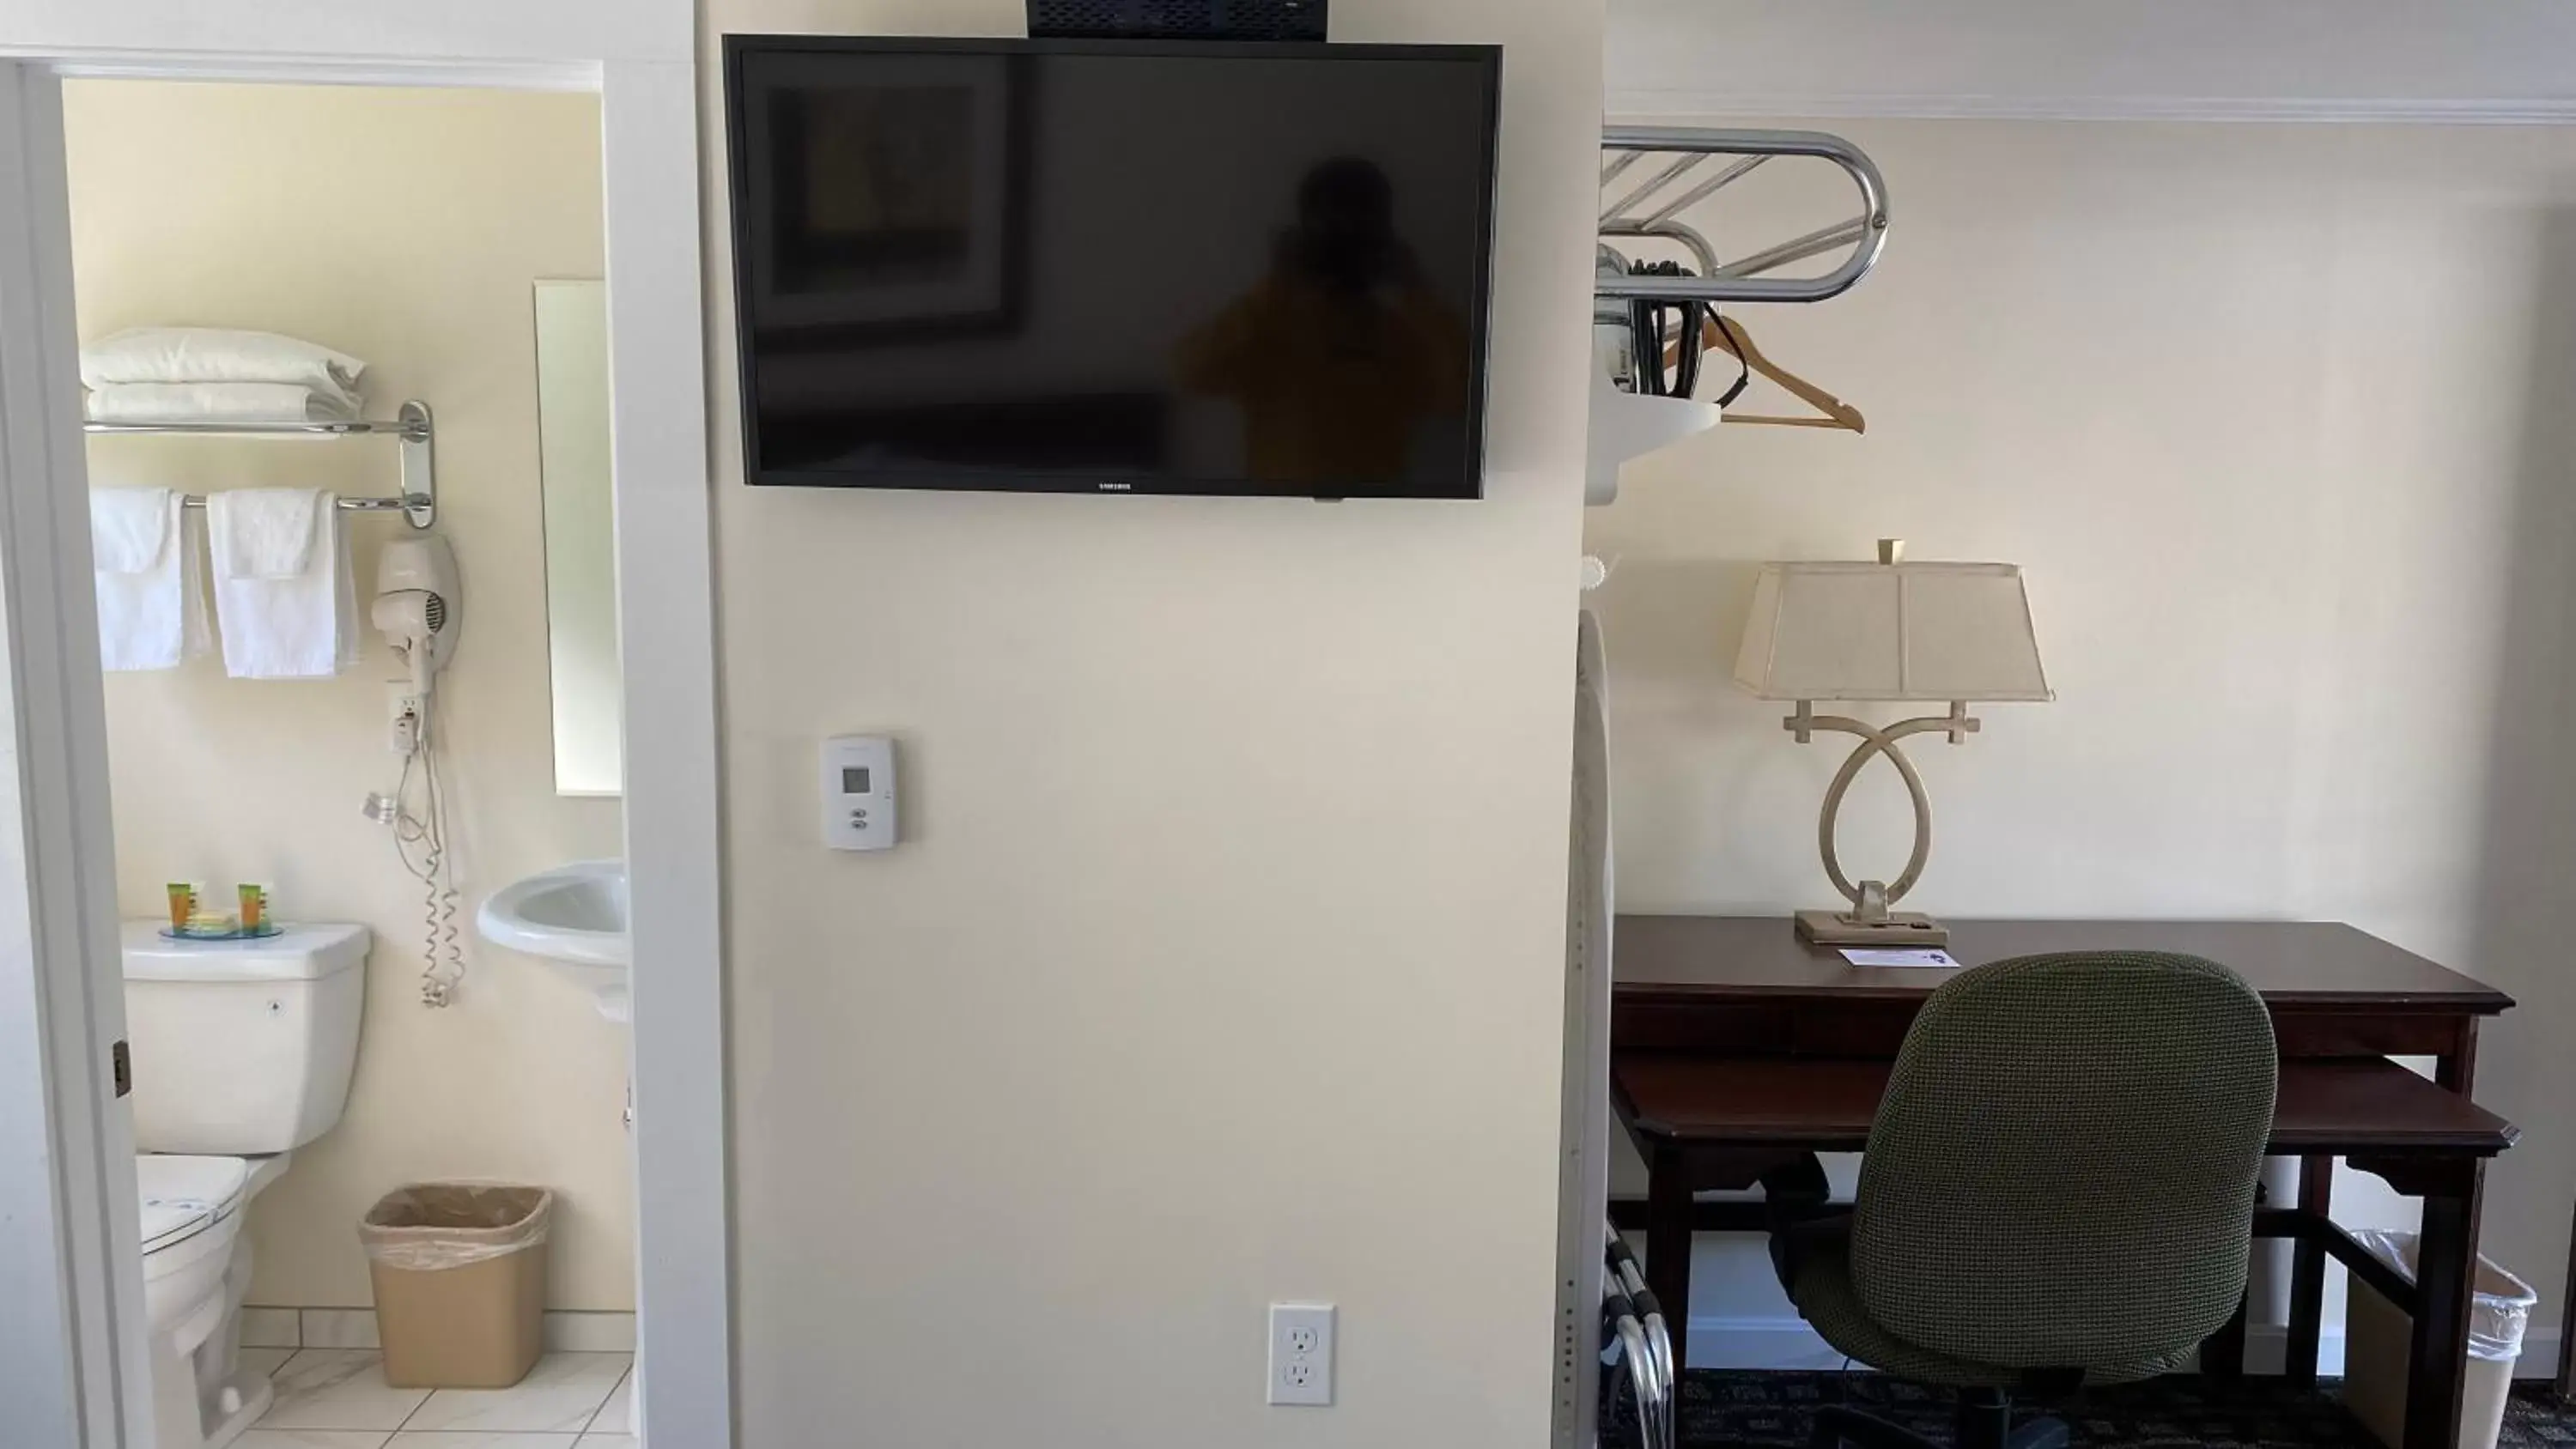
{"points": [[575, 917]]}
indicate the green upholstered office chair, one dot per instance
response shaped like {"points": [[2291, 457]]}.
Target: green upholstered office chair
{"points": [[2059, 1189]]}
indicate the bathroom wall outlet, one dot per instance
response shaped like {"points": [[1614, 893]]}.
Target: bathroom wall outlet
{"points": [[406, 721], [1301, 1353]]}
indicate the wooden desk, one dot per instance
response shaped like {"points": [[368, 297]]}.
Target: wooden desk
{"points": [[1735, 1047]]}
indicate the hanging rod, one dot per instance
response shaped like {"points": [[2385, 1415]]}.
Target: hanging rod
{"points": [[411, 425], [1739, 280]]}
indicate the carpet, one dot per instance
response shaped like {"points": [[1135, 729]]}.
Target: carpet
{"points": [[1728, 1407]]}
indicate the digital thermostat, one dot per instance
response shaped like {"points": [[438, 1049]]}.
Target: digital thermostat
{"points": [[858, 792]]}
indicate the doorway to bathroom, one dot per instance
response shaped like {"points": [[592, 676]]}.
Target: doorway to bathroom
{"points": [[247, 777], [348, 457]]}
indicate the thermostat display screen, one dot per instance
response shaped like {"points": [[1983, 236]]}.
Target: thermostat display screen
{"points": [[854, 780]]}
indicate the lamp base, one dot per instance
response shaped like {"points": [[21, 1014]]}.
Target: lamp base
{"points": [[1898, 931]]}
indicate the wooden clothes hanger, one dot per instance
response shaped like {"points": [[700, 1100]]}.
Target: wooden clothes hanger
{"points": [[1730, 337]]}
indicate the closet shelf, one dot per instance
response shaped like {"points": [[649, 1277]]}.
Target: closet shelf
{"points": [[411, 426]]}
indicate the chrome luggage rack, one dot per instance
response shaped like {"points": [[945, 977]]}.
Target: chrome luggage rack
{"points": [[1651, 208]]}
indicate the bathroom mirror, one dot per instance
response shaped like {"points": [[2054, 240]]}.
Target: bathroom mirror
{"points": [[581, 561]]}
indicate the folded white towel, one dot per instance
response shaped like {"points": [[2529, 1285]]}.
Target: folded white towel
{"points": [[304, 626], [218, 354], [129, 527], [151, 591], [215, 402], [265, 533]]}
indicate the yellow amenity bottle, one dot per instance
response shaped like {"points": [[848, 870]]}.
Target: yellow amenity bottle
{"points": [[183, 904]]}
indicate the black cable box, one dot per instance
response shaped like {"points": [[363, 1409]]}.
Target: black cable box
{"points": [[1177, 19]]}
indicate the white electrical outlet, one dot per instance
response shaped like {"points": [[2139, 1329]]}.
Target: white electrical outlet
{"points": [[406, 724], [1301, 1353]]}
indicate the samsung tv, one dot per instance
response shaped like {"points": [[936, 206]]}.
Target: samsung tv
{"points": [[1112, 266]]}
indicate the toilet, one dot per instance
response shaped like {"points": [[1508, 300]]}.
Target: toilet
{"points": [[242, 1053]]}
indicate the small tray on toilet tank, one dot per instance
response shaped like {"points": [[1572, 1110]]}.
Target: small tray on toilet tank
{"points": [[260, 932]]}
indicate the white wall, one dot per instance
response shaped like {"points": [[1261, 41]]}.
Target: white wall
{"points": [[198, 203], [2275, 417], [1233, 887], [2273, 59]]}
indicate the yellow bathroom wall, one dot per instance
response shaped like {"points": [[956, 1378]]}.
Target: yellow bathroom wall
{"points": [[406, 228]]}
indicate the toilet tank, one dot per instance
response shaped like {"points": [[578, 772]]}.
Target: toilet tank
{"points": [[242, 1048]]}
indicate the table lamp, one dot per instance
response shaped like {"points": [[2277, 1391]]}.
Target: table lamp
{"points": [[1893, 631]]}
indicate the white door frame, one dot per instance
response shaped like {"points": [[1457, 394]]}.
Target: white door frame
{"points": [[57, 908]]}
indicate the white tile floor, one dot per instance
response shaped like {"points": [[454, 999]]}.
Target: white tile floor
{"points": [[337, 1398]]}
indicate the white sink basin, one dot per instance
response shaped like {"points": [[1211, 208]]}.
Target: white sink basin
{"points": [[575, 917]]}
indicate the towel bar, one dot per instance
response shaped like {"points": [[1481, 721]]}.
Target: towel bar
{"points": [[411, 424]]}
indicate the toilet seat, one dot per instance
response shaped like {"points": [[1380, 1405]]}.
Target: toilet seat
{"points": [[184, 1199]]}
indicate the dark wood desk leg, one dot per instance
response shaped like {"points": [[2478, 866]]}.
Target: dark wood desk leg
{"points": [[2308, 1274], [2445, 1280], [2456, 1070], [2222, 1354], [1668, 1242]]}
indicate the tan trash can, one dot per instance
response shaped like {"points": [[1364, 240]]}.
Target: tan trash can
{"points": [[2377, 1336], [460, 1276]]}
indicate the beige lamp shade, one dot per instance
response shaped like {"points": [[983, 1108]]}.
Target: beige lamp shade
{"points": [[1892, 631]]}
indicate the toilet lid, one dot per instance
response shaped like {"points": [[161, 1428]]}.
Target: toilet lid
{"points": [[184, 1196]]}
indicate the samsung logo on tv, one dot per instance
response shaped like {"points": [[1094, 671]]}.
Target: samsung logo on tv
{"points": [[1117, 487]]}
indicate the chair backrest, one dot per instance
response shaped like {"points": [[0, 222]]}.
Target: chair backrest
{"points": [[2062, 1172]]}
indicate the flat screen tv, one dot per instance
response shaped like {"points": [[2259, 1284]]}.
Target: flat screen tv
{"points": [[1111, 265]]}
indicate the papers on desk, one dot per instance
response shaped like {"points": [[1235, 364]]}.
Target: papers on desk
{"points": [[1860, 957]]}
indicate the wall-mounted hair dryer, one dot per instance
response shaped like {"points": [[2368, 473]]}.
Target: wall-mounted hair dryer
{"points": [[416, 609], [416, 606]]}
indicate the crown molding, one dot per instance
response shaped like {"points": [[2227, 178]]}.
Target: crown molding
{"points": [[1648, 106]]}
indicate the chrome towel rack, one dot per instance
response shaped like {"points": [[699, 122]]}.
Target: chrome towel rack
{"points": [[1652, 208], [411, 426]]}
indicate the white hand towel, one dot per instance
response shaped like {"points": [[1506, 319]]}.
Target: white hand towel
{"points": [[151, 593], [265, 533], [129, 527], [218, 354], [303, 626], [215, 402]]}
